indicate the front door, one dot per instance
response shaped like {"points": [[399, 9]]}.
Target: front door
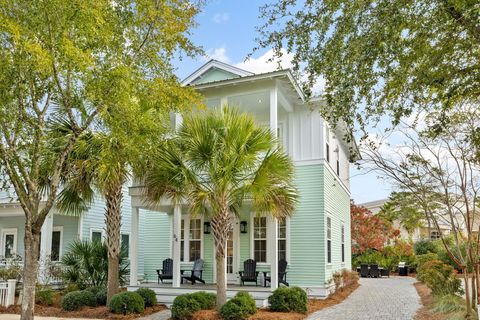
{"points": [[231, 265]]}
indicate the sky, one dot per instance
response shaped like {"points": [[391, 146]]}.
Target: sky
{"points": [[226, 32]]}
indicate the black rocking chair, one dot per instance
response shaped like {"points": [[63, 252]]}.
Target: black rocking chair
{"points": [[282, 274], [249, 273], [196, 273], [166, 273]]}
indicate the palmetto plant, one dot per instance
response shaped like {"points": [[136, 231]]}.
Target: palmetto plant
{"points": [[217, 161]]}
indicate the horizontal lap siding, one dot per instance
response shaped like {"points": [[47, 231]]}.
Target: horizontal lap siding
{"points": [[307, 253], [208, 257], [17, 222], [69, 225], [156, 227], [337, 205]]}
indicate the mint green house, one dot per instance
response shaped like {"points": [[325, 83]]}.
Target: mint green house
{"points": [[315, 240]]}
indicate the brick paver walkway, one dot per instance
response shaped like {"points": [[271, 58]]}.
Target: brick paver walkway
{"points": [[392, 298]]}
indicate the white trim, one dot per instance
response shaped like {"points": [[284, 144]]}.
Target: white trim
{"points": [[328, 216], [186, 237], [252, 239], [5, 232], [92, 230], [60, 248], [129, 241], [218, 65]]}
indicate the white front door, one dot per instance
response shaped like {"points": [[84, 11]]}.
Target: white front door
{"points": [[232, 265], [9, 242]]}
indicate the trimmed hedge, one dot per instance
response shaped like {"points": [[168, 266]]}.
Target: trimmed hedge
{"points": [[288, 300], [75, 300], [126, 302], [148, 295], [239, 308], [206, 300], [184, 306]]}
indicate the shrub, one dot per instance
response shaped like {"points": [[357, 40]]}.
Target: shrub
{"points": [[420, 260], [101, 297], [44, 296], [71, 287], [337, 280], [424, 246], [184, 306], [239, 307], [288, 300], [449, 303], [439, 277], [127, 302], [205, 300], [76, 299], [349, 278], [148, 295]]}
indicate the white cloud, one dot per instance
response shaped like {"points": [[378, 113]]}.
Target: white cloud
{"points": [[221, 17], [219, 54]]}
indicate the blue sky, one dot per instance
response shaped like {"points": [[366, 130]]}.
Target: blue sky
{"points": [[226, 31]]}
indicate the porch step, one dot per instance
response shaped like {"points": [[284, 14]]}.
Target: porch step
{"points": [[167, 295]]}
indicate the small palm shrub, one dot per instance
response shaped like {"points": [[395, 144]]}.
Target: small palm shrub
{"points": [[288, 300], [126, 302], [184, 306], [239, 307], [44, 296], [439, 277], [149, 296], [76, 299]]}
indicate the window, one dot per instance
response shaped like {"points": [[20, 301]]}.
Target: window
{"points": [[260, 239], [9, 242], [434, 235], [182, 240], [195, 240], [329, 240], [338, 168], [56, 247], [125, 243], [343, 243], [96, 235], [282, 239], [327, 151], [327, 143]]}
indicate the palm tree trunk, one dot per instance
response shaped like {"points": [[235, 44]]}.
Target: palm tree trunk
{"points": [[221, 224], [113, 220], [30, 272]]}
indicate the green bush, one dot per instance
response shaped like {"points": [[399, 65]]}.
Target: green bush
{"points": [[126, 302], [44, 296], [439, 277], [101, 297], [424, 246], [206, 300], [449, 303], [288, 300], [239, 308], [76, 299], [148, 296], [420, 260], [184, 306]]}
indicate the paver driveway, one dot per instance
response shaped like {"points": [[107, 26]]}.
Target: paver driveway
{"points": [[392, 298]]}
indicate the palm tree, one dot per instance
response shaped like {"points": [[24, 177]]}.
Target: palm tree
{"points": [[98, 162], [218, 160]]}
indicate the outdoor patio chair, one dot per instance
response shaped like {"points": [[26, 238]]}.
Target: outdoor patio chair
{"points": [[166, 273], [196, 272], [249, 273], [282, 274], [374, 272], [385, 272], [364, 270]]}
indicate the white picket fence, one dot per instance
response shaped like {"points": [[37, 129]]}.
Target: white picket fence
{"points": [[7, 293], [3, 293]]}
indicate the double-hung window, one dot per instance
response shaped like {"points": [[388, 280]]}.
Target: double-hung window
{"points": [[182, 240], [125, 243], [260, 239], [343, 243], [282, 239], [329, 240], [195, 241]]}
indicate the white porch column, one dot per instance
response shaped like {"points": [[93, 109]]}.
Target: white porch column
{"points": [[177, 220], [134, 246], [274, 110], [45, 246], [273, 251]]}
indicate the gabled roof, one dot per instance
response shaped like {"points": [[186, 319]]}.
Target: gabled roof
{"points": [[213, 65]]}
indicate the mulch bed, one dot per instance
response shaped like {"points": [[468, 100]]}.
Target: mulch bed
{"points": [[425, 313], [100, 312], [265, 314]]}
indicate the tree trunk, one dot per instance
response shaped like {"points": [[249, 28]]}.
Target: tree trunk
{"points": [[468, 305], [221, 225], [30, 272], [221, 283], [113, 220]]}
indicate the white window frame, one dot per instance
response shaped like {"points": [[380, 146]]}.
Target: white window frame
{"points": [[327, 144], [252, 238], [60, 248], [187, 253], [186, 238], [129, 242], [327, 238], [287, 238], [6, 232], [343, 255], [92, 230]]}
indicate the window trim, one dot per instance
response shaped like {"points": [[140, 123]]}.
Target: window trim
{"points": [[60, 247], [186, 237], [129, 242], [92, 230], [287, 238], [252, 238], [329, 263], [7, 231], [342, 238], [189, 240]]}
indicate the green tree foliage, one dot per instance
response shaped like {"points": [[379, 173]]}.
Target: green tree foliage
{"points": [[391, 56], [75, 64]]}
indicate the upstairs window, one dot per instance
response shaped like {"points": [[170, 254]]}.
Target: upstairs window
{"points": [[338, 168], [327, 152]]}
